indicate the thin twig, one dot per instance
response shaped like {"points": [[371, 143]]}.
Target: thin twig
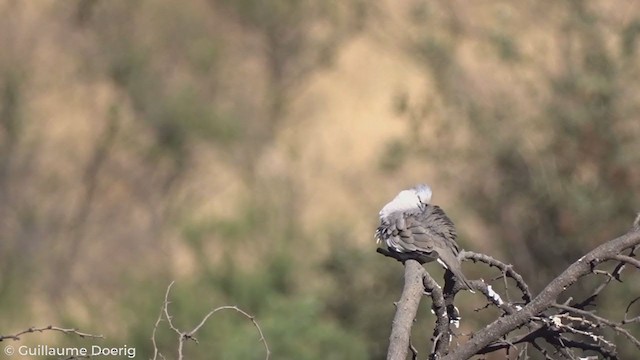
{"points": [[156, 353], [504, 268], [32, 329], [626, 259], [248, 316], [599, 319], [627, 319], [190, 335]]}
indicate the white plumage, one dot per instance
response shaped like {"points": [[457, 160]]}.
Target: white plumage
{"points": [[407, 200]]}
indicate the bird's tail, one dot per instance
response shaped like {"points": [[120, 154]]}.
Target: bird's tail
{"points": [[457, 272], [378, 235], [451, 263]]}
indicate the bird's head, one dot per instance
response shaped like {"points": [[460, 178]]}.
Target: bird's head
{"points": [[408, 200], [423, 192]]}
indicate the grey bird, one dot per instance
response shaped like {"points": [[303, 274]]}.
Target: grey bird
{"points": [[412, 226]]}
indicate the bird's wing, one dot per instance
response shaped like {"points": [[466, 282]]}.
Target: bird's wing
{"points": [[439, 224], [424, 227], [414, 236], [432, 231]]}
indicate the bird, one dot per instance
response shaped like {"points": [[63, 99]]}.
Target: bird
{"points": [[411, 225]]}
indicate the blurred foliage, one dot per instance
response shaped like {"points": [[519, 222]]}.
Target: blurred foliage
{"points": [[294, 325], [16, 215]]}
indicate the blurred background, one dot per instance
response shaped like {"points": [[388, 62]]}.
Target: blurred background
{"points": [[244, 147]]}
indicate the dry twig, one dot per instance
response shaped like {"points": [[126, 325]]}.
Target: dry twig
{"points": [[33, 329], [183, 336]]}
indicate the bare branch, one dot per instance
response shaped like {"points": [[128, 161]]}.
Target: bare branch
{"points": [[548, 296], [16, 336], [567, 329], [493, 297], [628, 320], [442, 330], [190, 335], [262, 339], [507, 270], [590, 300], [414, 351], [626, 259], [407, 308], [156, 353], [602, 321]]}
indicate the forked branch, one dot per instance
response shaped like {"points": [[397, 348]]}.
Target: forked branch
{"points": [[184, 336]]}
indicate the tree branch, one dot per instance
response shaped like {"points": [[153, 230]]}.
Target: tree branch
{"points": [[406, 310], [442, 330], [568, 329], [183, 336], [600, 321], [507, 270], [16, 336], [548, 296]]}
